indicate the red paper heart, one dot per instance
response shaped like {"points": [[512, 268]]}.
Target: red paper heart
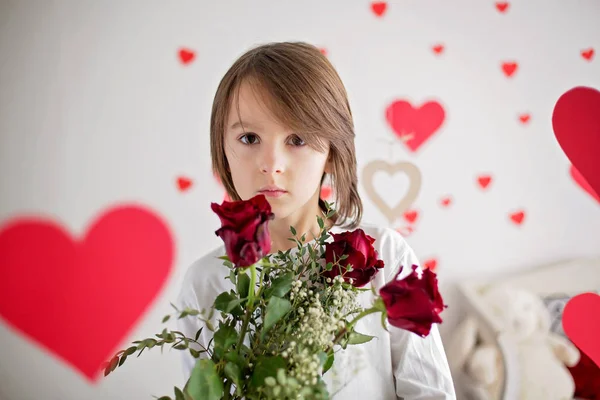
{"points": [[379, 7], [576, 123], [411, 216], [581, 323], [524, 118], [184, 183], [431, 264], [79, 299], [186, 56], [517, 217], [325, 192], [502, 6], [580, 180], [445, 202], [484, 181], [509, 68], [438, 49], [588, 54], [414, 125], [323, 51]]}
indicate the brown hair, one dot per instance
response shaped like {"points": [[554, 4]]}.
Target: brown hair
{"points": [[305, 93]]}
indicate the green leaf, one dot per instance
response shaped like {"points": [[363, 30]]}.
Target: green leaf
{"points": [[328, 362], [166, 318], [266, 366], [222, 301], [225, 337], [243, 285], [358, 338], [293, 230], [233, 372], [130, 350], [276, 309], [198, 334], [204, 382], [178, 394], [123, 358], [321, 223], [280, 286]]}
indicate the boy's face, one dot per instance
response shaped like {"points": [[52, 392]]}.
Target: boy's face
{"points": [[262, 152]]}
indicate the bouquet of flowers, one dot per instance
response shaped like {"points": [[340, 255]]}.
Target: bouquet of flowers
{"points": [[289, 312]]}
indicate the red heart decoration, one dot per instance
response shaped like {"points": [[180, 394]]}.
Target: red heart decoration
{"points": [[502, 6], [411, 216], [326, 192], [581, 323], [509, 68], [186, 56], [445, 202], [438, 49], [588, 54], [580, 180], [379, 7], [518, 217], [79, 299], [576, 123], [184, 183], [323, 51], [484, 181], [414, 125], [431, 264], [524, 118]]}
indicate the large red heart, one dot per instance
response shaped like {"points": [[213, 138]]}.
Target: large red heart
{"points": [[79, 299], [414, 125], [581, 323], [576, 175], [576, 123]]}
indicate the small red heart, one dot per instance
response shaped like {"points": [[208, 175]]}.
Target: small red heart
{"points": [[326, 192], [580, 180], [524, 118], [184, 183], [509, 68], [517, 217], [379, 7], [581, 324], [80, 298], [502, 6], [438, 48], [588, 54], [323, 51], [414, 126], [484, 180], [186, 56], [431, 264], [445, 202], [576, 123], [411, 216]]}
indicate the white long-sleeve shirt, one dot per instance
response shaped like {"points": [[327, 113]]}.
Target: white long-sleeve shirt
{"points": [[394, 365]]}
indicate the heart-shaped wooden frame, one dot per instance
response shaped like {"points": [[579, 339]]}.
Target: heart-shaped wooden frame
{"points": [[409, 169]]}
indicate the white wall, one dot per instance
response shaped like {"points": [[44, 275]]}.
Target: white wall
{"points": [[96, 109]]}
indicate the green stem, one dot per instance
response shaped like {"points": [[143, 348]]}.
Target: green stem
{"points": [[252, 286], [344, 330]]}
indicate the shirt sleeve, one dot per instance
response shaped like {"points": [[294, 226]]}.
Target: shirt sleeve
{"points": [[189, 326], [420, 366]]}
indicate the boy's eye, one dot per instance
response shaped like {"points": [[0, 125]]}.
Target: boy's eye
{"points": [[251, 139], [248, 135]]}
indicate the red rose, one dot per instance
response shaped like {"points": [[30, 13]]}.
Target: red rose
{"points": [[361, 255], [413, 304], [244, 229]]}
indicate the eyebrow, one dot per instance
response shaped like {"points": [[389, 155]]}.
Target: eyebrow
{"points": [[242, 124]]}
